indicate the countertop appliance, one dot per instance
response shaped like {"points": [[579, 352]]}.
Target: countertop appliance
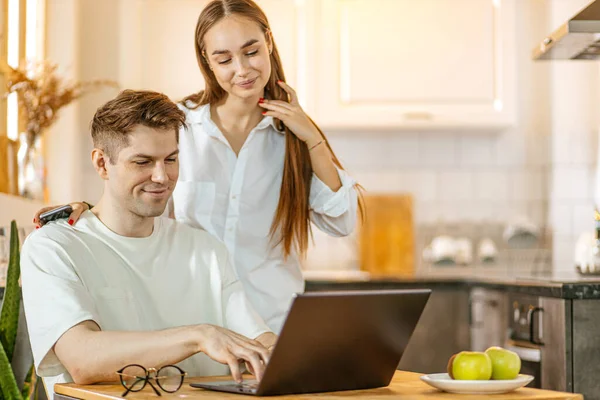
{"points": [[536, 332]]}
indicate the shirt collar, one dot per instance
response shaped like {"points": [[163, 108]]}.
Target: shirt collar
{"points": [[201, 115]]}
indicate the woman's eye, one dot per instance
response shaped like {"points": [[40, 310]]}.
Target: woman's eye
{"points": [[252, 53], [225, 61]]}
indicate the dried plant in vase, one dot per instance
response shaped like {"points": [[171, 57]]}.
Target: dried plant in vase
{"points": [[41, 94]]}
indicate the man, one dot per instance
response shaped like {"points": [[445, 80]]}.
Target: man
{"points": [[123, 287]]}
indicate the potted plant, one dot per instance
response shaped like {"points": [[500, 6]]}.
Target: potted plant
{"points": [[9, 321]]}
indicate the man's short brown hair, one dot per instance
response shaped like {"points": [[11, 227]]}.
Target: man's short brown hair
{"points": [[114, 121]]}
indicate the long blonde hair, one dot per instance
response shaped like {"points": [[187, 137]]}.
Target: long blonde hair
{"points": [[292, 218]]}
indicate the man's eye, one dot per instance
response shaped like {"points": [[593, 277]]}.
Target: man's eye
{"points": [[171, 160], [142, 162]]}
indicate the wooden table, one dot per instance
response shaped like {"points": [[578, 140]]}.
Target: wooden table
{"points": [[404, 385]]}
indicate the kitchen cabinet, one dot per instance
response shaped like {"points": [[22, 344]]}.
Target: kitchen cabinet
{"points": [[442, 331], [488, 320], [404, 64]]}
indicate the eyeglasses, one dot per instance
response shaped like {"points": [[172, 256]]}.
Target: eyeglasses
{"points": [[134, 377]]}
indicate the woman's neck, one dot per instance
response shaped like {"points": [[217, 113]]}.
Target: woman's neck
{"points": [[236, 116]]}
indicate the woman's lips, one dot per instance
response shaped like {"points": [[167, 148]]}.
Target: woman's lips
{"points": [[247, 84]]}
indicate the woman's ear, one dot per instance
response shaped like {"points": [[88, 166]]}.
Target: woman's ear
{"points": [[100, 159], [269, 37]]}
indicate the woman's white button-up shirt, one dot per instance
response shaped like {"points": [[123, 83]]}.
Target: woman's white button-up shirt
{"points": [[235, 199]]}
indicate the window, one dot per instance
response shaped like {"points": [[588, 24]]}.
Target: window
{"points": [[21, 40]]}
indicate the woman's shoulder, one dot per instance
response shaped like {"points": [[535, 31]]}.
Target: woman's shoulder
{"points": [[193, 112]]}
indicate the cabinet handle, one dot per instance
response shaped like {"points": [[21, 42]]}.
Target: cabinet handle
{"points": [[532, 339], [418, 115]]}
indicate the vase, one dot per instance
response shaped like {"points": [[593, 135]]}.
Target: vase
{"points": [[30, 160]]}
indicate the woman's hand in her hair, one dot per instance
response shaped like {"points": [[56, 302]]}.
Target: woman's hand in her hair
{"points": [[292, 116], [78, 209]]}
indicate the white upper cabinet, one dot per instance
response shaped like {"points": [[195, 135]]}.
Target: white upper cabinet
{"points": [[407, 64]]}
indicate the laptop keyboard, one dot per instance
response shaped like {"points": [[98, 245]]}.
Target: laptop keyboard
{"points": [[248, 384]]}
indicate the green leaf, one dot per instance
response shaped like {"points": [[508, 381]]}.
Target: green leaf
{"points": [[27, 386], [9, 316], [8, 383]]}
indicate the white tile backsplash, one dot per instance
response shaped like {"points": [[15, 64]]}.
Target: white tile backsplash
{"points": [[538, 148], [510, 148], [475, 150], [423, 184], [562, 218], [456, 186], [360, 152], [571, 183], [402, 151], [563, 247], [583, 147], [491, 185], [528, 184], [537, 211], [583, 218], [438, 150]]}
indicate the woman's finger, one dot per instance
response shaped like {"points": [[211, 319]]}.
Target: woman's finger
{"points": [[74, 217], [78, 209], [290, 91], [36, 217], [274, 114], [280, 103], [277, 108]]}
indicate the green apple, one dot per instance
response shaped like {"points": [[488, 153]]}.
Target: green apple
{"points": [[470, 365], [506, 364]]}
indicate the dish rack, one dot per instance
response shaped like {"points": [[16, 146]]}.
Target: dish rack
{"points": [[536, 259]]}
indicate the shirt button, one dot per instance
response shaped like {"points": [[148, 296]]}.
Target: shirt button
{"points": [[234, 197]]}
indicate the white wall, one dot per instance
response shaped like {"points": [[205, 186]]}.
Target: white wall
{"points": [[541, 165], [457, 176], [575, 121], [18, 209]]}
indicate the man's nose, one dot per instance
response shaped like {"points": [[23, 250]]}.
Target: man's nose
{"points": [[159, 174]]}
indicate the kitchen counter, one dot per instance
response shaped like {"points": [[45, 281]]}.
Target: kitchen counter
{"points": [[564, 285], [403, 385]]}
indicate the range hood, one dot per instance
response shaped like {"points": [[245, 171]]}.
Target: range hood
{"points": [[576, 39]]}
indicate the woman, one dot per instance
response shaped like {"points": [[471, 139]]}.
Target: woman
{"points": [[255, 170]]}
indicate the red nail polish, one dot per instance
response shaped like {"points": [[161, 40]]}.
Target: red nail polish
{"points": [[34, 220], [279, 81], [261, 100], [264, 113], [70, 222], [37, 227]]}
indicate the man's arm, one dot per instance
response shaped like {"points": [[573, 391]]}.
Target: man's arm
{"points": [[91, 355], [60, 313]]}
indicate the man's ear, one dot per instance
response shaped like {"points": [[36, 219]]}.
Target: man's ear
{"points": [[100, 160]]}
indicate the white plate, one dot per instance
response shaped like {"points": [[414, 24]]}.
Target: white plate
{"points": [[447, 384]]}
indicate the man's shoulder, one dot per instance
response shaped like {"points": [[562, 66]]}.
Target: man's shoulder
{"points": [[59, 232]]}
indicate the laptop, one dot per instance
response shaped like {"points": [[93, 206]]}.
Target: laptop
{"points": [[334, 341]]}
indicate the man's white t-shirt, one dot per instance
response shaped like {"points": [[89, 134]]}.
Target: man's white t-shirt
{"points": [[177, 276]]}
